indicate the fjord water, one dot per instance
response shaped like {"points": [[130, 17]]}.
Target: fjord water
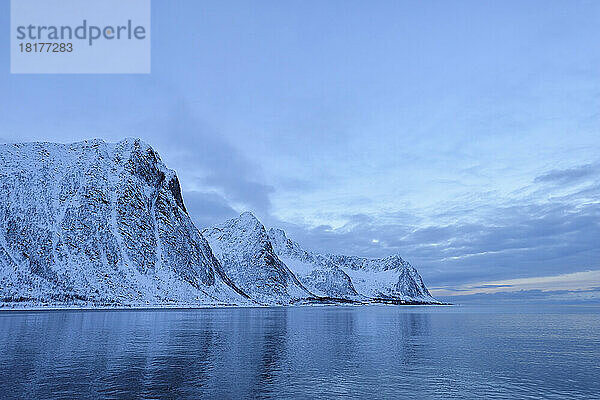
{"points": [[303, 352]]}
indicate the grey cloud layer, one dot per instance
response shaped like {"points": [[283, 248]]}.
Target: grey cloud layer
{"points": [[525, 237], [571, 175], [221, 174]]}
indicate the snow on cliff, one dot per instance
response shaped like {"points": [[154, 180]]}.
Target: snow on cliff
{"points": [[320, 277], [246, 254], [95, 223], [101, 224], [385, 279]]}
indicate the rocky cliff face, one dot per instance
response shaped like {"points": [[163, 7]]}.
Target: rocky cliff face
{"points": [[389, 279], [320, 276], [247, 256], [99, 223]]}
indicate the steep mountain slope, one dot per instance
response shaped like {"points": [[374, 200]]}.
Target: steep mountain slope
{"points": [[316, 274], [246, 254], [389, 279], [100, 224]]}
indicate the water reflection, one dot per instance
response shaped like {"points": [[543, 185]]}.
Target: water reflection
{"points": [[304, 352]]}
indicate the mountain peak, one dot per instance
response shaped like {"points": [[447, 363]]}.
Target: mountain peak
{"points": [[247, 256], [278, 236], [247, 216], [383, 279], [101, 223]]}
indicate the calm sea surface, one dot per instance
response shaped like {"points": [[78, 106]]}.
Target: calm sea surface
{"points": [[369, 352]]}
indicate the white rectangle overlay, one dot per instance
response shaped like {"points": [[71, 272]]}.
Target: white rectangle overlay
{"points": [[80, 37]]}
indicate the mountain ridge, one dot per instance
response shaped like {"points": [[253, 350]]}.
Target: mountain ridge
{"points": [[101, 223], [243, 248], [105, 224], [388, 279]]}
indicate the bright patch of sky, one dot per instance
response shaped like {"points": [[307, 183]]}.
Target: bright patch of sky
{"points": [[575, 281]]}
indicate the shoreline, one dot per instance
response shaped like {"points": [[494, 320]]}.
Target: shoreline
{"points": [[50, 308]]}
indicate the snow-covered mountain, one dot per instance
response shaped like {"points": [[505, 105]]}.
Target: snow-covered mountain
{"points": [[95, 223], [319, 276], [104, 224], [389, 279], [246, 254]]}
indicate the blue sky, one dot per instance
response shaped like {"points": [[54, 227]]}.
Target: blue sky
{"points": [[462, 135]]}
